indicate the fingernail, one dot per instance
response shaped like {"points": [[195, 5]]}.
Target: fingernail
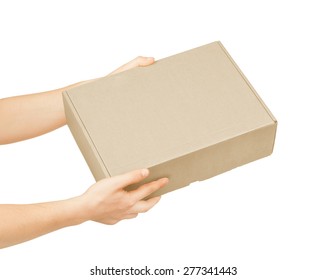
{"points": [[145, 172]]}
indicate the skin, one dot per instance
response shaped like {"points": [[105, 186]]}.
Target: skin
{"points": [[106, 201], [28, 116]]}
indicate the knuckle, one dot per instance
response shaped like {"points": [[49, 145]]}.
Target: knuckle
{"points": [[129, 202]]}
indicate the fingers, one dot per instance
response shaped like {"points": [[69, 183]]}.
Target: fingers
{"points": [[136, 62], [135, 176], [148, 189], [110, 202], [143, 206], [130, 216], [142, 61]]}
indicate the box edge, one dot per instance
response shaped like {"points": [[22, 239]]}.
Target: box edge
{"points": [[247, 82], [70, 108]]}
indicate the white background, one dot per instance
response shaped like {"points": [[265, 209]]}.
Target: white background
{"points": [[268, 218]]}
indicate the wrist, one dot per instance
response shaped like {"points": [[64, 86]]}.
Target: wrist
{"points": [[75, 211]]}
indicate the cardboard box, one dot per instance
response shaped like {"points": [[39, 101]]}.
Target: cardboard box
{"points": [[187, 117]]}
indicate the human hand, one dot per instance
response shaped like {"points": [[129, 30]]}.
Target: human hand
{"points": [[136, 62], [107, 202]]}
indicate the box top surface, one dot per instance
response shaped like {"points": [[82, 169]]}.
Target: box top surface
{"points": [[148, 115]]}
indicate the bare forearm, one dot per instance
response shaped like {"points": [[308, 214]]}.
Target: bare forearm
{"points": [[105, 202], [28, 116], [20, 223]]}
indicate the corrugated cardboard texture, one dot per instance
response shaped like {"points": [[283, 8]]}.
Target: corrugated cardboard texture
{"points": [[189, 117]]}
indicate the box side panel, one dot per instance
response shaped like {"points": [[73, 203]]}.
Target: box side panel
{"points": [[247, 81], [83, 140], [214, 160]]}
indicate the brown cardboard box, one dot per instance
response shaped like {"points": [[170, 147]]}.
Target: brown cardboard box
{"points": [[188, 117]]}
